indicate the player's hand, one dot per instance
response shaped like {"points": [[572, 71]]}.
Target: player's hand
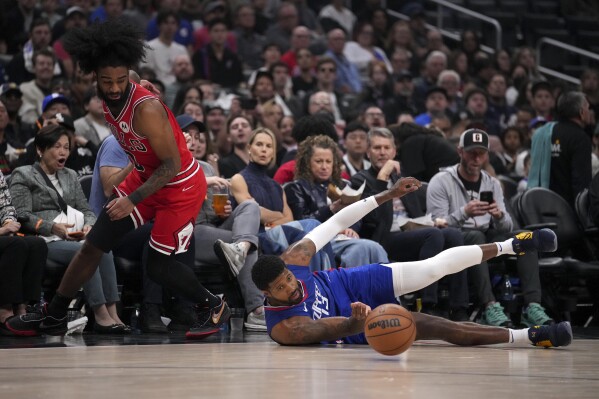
{"points": [[62, 230], [119, 208], [404, 186], [359, 311]]}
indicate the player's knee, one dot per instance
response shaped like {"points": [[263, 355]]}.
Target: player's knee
{"points": [[90, 251]]}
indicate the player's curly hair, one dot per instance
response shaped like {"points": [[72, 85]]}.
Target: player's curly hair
{"points": [[266, 269], [112, 43], [305, 153]]}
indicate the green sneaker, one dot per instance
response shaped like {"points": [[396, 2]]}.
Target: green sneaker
{"points": [[534, 315], [495, 316]]}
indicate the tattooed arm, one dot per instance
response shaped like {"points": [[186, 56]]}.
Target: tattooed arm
{"points": [[301, 330], [152, 121]]}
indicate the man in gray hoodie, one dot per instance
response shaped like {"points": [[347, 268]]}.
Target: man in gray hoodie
{"points": [[467, 197]]}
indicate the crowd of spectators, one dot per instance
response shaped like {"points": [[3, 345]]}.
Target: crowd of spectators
{"points": [[288, 98]]}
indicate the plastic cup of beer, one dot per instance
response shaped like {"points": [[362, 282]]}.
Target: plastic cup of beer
{"points": [[219, 200]]}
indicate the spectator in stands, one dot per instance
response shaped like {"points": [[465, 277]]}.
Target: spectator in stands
{"points": [[270, 55], [36, 89], [435, 63], [9, 148], [451, 82], [188, 92], [400, 39], [434, 42], [470, 45], [140, 13], [91, 126], [201, 145], [215, 61], [402, 100], [361, 50], [503, 62], [286, 124], [75, 17], [193, 109], [239, 130], [269, 117], [18, 24], [477, 107], [589, 85], [542, 99], [287, 19], [305, 81], [512, 140], [263, 90], [183, 72], [400, 61], [22, 262], [454, 195], [11, 97], [458, 61], [300, 39], [49, 199], [499, 112], [347, 77], [379, 87], [281, 80], [335, 15], [250, 43], [215, 121], [215, 9], [356, 145], [184, 35], [326, 75], [526, 57], [384, 225], [561, 152], [318, 164], [373, 117], [21, 69], [436, 104], [110, 170]]}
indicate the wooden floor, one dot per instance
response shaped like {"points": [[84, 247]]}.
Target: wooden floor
{"points": [[257, 368]]}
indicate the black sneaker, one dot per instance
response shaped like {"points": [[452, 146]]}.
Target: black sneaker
{"points": [[211, 324], [151, 322], [551, 336], [543, 240], [28, 324]]}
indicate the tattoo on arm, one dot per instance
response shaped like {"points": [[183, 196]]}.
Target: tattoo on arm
{"points": [[162, 175], [316, 331]]}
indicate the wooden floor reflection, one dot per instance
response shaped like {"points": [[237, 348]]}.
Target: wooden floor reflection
{"points": [[258, 368]]}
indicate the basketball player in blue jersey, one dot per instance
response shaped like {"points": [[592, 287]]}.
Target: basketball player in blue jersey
{"points": [[331, 306]]}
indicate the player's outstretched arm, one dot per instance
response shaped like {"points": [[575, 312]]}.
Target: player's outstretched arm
{"points": [[301, 252], [302, 330]]}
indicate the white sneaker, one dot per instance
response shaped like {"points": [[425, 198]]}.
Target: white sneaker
{"points": [[231, 254], [255, 322], [76, 326]]}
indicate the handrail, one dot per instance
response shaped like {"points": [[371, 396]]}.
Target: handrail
{"points": [[552, 42], [453, 35], [473, 14]]}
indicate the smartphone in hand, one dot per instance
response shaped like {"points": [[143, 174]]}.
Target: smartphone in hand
{"points": [[486, 196], [76, 235]]}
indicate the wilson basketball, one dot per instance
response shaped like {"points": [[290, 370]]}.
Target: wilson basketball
{"points": [[390, 329]]}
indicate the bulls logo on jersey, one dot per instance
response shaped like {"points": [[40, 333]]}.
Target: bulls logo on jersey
{"points": [[124, 126]]}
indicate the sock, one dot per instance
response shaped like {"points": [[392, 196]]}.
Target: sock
{"points": [[519, 336], [505, 247], [59, 305]]}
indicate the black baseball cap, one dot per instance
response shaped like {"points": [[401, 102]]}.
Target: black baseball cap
{"points": [[185, 121], [474, 138]]}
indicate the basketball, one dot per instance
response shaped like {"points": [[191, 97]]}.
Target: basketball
{"points": [[390, 329]]}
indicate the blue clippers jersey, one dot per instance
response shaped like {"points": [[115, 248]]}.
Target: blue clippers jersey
{"points": [[330, 293]]}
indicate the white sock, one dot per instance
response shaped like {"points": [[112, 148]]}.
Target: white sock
{"points": [[505, 247], [519, 336]]}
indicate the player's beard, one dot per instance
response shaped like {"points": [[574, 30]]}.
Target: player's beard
{"points": [[114, 104]]}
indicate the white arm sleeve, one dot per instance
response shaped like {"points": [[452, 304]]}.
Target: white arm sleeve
{"points": [[346, 217]]}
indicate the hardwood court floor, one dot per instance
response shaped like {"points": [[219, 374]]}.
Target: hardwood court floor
{"points": [[251, 366]]}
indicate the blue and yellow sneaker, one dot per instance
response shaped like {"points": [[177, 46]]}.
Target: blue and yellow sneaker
{"points": [[551, 336], [543, 240]]}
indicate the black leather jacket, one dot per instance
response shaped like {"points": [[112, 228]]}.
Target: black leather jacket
{"points": [[308, 200]]}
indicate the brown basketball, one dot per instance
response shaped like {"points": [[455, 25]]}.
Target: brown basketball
{"points": [[390, 329]]}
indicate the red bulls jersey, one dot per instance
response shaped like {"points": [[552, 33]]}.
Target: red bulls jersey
{"points": [[137, 147]]}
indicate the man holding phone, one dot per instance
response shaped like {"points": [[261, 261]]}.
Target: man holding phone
{"points": [[467, 197]]}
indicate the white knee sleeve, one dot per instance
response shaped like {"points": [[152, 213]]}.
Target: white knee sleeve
{"points": [[412, 276]]}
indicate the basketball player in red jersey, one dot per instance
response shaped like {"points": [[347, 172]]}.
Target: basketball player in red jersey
{"points": [[165, 184]]}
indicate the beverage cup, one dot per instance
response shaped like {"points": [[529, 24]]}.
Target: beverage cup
{"points": [[220, 197], [237, 319]]}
